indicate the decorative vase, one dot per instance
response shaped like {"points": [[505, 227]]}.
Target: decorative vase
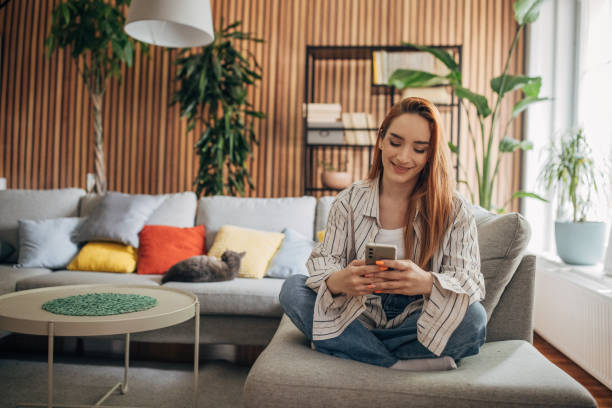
{"points": [[580, 243], [336, 179]]}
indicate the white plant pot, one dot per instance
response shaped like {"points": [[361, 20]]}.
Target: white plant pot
{"points": [[580, 243]]}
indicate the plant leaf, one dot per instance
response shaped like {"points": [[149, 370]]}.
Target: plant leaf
{"points": [[409, 78], [526, 11], [453, 147], [479, 101], [526, 194], [509, 145], [524, 104], [513, 82]]}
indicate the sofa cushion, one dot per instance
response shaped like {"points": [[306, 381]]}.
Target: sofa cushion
{"points": [[502, 240], [34, 205], [105, 257], [10, 275], [61, 278], [177, 210], [162, 246], [291, 257], [47, 243], [265, 214], [323, 206], [240, 296], [260, 247], [505, 374], [119, 218]]}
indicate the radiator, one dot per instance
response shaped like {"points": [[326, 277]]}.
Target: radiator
{"points": [[573, 312]]}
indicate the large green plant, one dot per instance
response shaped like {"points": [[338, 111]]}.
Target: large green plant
{"points": [[494, 141], [213, 91], [92, 30], [571, 173]]}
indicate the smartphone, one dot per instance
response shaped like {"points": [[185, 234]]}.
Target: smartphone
{"points": [[375, 251]]}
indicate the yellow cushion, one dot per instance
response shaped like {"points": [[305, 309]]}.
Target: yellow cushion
{"points": [[105, 257], [260, 248], [320, 235]]}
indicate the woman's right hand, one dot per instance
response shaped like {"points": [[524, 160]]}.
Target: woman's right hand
{"points": [[354, 280]]}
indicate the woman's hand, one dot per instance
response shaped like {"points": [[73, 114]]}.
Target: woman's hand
{"points": [[405, 278], [356, 279]]}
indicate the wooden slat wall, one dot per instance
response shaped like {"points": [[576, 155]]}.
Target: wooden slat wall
{"points": [[45, 112]]}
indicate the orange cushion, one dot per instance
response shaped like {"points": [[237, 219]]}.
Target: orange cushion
{"points": [[162, 246]]}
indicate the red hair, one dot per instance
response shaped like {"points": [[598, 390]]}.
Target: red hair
{"points": [[433, 193]]}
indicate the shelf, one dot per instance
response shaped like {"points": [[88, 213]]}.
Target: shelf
{"points": [[323, 189], [338, 145], [342, 128], [358, 51]]}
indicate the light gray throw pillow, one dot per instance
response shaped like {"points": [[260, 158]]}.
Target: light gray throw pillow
{"points": [[291, 257], [119, 218], [47, 243]]}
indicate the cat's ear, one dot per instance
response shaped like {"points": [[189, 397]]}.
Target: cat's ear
{"points": [[242, 254]]}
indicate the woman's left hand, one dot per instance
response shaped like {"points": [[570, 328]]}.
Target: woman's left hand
{"points": [[405, 278]]}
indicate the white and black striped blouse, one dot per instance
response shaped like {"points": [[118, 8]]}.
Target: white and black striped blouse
{"points": [[353, 222]]}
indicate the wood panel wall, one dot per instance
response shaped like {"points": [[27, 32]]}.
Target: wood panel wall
{"points": [[46, 131]]}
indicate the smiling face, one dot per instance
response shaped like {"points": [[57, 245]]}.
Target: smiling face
{"points": [[404, 149]]}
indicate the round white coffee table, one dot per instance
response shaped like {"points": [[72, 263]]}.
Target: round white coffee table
{"points": [[22, 312]]}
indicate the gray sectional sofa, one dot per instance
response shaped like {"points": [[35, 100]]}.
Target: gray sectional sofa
{"points": [[509, 372]]}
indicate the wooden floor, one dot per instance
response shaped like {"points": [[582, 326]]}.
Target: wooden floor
{"points": [[601, 393]]}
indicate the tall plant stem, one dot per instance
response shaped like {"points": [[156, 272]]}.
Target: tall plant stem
{"points": [[100, 168]]}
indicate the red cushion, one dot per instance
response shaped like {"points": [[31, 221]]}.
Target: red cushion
{"points": [[162, 246]]}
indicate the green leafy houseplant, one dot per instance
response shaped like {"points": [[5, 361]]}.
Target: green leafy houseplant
{"points": [[92, 30], [213, 91], [570, 172], [491, 138]]}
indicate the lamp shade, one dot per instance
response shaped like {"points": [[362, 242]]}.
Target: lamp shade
{"points": [[171, 23]]}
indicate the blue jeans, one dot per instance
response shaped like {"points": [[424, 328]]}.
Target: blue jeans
{"points": [[382, 347]]}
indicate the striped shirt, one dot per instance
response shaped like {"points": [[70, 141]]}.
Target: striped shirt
{"points": [[353, 221]]}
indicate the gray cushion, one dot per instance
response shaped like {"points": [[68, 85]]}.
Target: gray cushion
{"points": [[119, 218], [34, 205], [323, 207], [61, 278], [240, 296], [502, 240], [177, 210], [291, 257], [10, 275], [6, 250], [265, 214], [505, 374], [47, 243]]}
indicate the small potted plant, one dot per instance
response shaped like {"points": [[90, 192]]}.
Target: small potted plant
{"points": [[572, 174], [335, 176]]}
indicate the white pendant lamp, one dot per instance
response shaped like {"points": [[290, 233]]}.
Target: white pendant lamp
{"points": [[171, 23]]}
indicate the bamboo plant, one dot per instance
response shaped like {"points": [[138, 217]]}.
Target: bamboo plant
{"points": [[92, 31], [493, 138], [213, 91]]}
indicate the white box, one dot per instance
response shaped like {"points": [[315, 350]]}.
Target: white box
{"points": [[328, 136]]}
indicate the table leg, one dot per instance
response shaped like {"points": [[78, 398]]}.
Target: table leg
{"points": [[124, 386], [50, 367], [196, 354]]}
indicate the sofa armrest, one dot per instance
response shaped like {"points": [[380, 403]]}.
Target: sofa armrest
{"points": [[512, 318]]}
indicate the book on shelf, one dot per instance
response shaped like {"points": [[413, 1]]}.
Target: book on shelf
{"points": [[360, 121], [347, 122], [322, 112], [372, 125]]}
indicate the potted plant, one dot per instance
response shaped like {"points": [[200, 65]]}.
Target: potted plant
{"points": [[92, 30], [489, 138], [571, 173], [213, 91], [336, 176]]}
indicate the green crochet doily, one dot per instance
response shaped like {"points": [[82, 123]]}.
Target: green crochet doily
{"points": [[99, 304]]}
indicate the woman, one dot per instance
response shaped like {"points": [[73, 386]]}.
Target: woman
{"points": [[422, 311]]}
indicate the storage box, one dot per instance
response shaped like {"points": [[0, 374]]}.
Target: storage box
{"points": [[328, 135]]}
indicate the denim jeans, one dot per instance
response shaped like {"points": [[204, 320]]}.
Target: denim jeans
{"points": [[382, 347]]}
